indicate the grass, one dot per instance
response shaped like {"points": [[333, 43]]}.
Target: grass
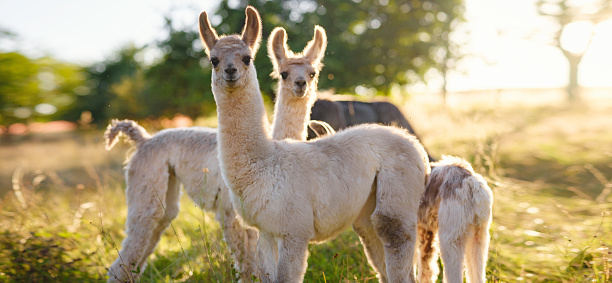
{"points": [[63, 206]]}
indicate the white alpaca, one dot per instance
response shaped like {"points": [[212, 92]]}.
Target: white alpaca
{"points": [[456, 207], [370, 176], [153, 177], [178, 156]]}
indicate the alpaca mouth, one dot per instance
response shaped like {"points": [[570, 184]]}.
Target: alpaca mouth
{"points": [[299, 93], [230, 78]]}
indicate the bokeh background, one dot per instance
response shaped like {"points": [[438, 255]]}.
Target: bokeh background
{"points": [[522, 89]]}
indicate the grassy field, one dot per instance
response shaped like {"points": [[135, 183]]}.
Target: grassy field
{"points": [[550, 168]]}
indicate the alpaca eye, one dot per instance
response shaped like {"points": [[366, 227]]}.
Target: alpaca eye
{"points": [[284, 75], [312, 75], [214, 61], [246, 60]]}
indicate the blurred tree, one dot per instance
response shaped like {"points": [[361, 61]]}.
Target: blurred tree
{"points": [[372, 43], [36, 89], [97, 96], [180, 81], [564, 14]]}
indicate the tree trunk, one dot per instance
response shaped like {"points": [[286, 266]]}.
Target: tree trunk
{"points": [[573, 90]]}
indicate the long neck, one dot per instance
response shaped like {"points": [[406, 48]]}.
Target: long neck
{"points": [[291, 115], [243, 131]]}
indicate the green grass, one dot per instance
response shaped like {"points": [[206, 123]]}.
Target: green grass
{"points": [[549, 167]]}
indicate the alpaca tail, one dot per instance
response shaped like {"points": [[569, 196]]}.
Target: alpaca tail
{"points": [[129, 128], [482, 198]]}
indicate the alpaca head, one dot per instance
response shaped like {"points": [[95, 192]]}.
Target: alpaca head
{"points": [[297, 73], [232, 56]]}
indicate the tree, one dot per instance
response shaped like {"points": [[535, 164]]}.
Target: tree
{"points": [[564, 13], [36, 89], [97, 96], [180, 81], [372, 43]]}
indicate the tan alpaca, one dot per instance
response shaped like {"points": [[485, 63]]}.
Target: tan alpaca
{"points": [[456, 211], [294, 192], [178, 156], [153, 177]]}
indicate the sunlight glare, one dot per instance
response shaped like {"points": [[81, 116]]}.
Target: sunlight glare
{"points": [[575, 36]]}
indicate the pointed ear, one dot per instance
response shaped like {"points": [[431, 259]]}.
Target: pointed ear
{"points": [[315, 49], [277, 46], [207, 33], [251, 34]]}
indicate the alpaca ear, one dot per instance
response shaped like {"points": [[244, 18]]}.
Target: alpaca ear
{"points": [[207, 33], [315, 49], [277, 46], [251, 34]]}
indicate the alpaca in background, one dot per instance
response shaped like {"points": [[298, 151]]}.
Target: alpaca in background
{"points": [[456, 211], [295, 192], [340, 114], [153, 176]]}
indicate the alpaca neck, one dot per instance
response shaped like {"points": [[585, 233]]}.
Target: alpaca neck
{"points": [[243, 131], [291, 115]]}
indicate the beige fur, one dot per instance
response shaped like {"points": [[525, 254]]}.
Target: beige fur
{"points": [[294, 192], [456, 208], [153, 177], [195, 148]]}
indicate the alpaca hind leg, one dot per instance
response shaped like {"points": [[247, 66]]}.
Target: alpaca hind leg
{"points": [[395, 219], [398, 235], [292, 256], [428, 254], [372, 245], [477, 249], [145, 223], [452, 230]]}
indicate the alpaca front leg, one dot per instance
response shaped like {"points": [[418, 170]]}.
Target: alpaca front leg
{"points": [[267, 255], [241, 240], [293, 253]]}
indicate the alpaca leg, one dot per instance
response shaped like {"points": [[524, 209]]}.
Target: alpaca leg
{"points": [[372, 245], [145, 223], [267, 256], [477, 248], [398, 235], [395, 220], [292, 256], [428, 254], [452, 230], [241, 240]]}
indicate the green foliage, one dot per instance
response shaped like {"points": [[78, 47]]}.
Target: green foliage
{"points": [[372, 43], [180, 82], [551, 218], [40, 257], [36, 90], [102, 77]]}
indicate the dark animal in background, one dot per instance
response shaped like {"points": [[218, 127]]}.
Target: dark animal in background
{"points": [[342, 113]]}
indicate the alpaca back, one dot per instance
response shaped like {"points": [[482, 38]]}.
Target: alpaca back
{"points": [[346, 165], [190, 154]]}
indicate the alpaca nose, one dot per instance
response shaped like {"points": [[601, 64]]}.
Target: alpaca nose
{"points": [[300, 83], [230, 70]]}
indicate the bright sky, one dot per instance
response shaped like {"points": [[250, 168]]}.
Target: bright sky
{"points": [[89, 31]]}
